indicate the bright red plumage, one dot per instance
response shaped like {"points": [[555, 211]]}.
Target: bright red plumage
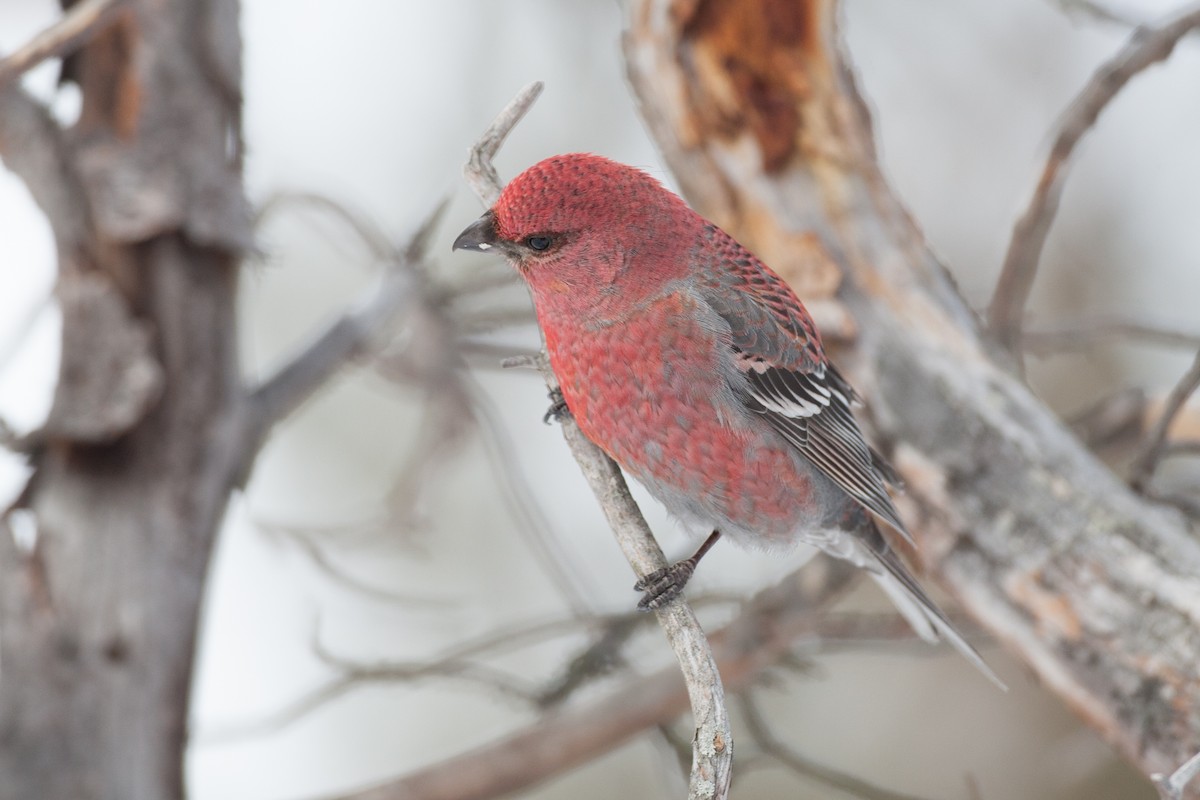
{"points": [[698, 370]]}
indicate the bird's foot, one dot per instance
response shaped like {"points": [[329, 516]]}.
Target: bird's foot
{"points": [[664, 585], [558, 410]]}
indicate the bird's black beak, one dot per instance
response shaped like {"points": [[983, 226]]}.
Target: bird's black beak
{"points": [[479, 236]]}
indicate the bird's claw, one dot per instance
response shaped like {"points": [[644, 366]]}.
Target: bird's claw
{"points": [[664, 585], [558, 410]]}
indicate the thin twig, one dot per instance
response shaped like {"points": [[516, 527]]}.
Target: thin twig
{"points": [[349, 336], [1144, 464], [70, 32], [490, 354], [1092, 10], [531, 520], [480, 173], [355, 676], [494, 643], [1172, 787], [1086, 334], [760, 635], [766, 739], [317, 555], [1146, 46], [371, 234], [712, 752], [1114, 418]]}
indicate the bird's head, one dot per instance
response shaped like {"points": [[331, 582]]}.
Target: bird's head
{"points": [[582, 229]]}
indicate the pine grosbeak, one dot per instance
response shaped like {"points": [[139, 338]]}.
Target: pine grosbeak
{"points": [[698, 370]]}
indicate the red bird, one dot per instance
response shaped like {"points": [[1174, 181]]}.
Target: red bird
{"points": [[699, 371]]}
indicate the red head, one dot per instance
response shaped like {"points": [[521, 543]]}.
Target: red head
{"points": [[587, 233]]}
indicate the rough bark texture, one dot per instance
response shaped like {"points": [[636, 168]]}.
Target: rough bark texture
{"points": [[136, 464], [757, 113]]}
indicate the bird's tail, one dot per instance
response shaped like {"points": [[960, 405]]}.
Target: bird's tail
{"points": [[921, 612]]}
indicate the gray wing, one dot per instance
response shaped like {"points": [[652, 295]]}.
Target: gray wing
{"points": [[791, 383], [811, 409]]}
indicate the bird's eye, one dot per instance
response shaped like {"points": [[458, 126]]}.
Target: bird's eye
{"points": [[538, 242]]}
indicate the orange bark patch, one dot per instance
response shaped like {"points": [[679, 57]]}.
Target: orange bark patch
{"points": [[749, 62], [1050, 611]]}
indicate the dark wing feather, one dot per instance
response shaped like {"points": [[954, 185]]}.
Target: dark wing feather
{"points": [[815, 417], [789, 380]]}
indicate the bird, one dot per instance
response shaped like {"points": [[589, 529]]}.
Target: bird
{"points": [[699, 371]]}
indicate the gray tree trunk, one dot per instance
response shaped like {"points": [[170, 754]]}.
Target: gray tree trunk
{"points": [[137, 461]]}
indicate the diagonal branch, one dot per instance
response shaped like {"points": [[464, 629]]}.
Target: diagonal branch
{"points": [[72, 30], [349, 336], [712, 753], [1145, 47]]}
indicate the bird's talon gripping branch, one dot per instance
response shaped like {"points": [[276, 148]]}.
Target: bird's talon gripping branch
{"points": [[664, 585], [558, 410]]}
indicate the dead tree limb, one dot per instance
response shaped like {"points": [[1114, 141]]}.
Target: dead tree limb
{"points": [[756, 109]]}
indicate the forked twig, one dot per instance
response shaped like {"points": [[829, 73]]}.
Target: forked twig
{"points": [[712, 751]]}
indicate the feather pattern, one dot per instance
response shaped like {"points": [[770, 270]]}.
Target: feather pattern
{"points": [[790, 381]]}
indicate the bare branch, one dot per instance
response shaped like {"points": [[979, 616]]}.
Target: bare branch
{"points": [[531, 520], [72, 30], [1086, 334], [760, 635], [488, 354], [351, 335], [480, 172], [1095, 11], [370, 234], [712, 752], [317, 555], [1143, 466], [1145, 47]]}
